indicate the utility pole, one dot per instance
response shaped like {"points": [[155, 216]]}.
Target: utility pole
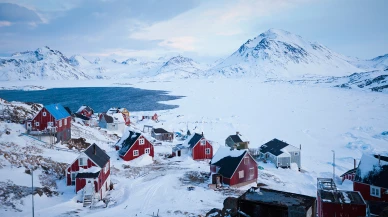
{"points": [[32, 189], [333, 165]]}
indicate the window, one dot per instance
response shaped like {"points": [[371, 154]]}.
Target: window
{"points": [[135, 152], [251, 172], [241, 174], [296, 153], [246, 160], [147, 150], [207, 151], [65, 121], [141, 141], [73, 175], [37, 124], [106, 167], [44, 114], [375, 191], [82, 161], [60, 123], [203, 142]]}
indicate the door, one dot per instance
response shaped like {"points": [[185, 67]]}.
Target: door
{"points": [[179, 153], [29, 126]]}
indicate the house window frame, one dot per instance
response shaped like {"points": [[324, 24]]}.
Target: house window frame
{"points": [[375, 191], [50, 124], [296, 153], [246, 160], [203, 142], [44, 114], [106, 168], [135, 152], [141, 141], [84, 161], [65, 121], [147, 150], [37, 124], [207, 151], [251, 172], [72, 179], [241, 174], [60, 123]]}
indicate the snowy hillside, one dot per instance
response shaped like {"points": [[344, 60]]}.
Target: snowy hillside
{"points": [[180, 67], [281, 54], [41, 64], [380, 63]]}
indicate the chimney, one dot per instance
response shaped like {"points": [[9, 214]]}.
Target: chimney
{"points": [[202, 133], [355, 163], [94, 149], [237, 133], [300, 146], [379, 161]]}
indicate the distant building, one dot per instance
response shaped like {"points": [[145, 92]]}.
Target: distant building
{"points": [[349, 175], [272, 203], [154, 117], [371, 178], [51, 120], [233, 167], [333, 202], [90, 172], [123, 111], [85, 111], [162, 134], [281, 153], [133, 145], [235, 141], [112, 122]]}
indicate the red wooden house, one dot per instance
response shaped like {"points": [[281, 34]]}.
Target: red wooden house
{"points": [[133, 145], [90, 172], [51, 120], [350, 175], [85, 111], [154, 117], [199, 147], [333, 202], [233, 167], [372, 178]]}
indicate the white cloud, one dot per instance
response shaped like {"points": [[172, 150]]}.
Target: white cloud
{"points": [[201, 28], [5, 23]]}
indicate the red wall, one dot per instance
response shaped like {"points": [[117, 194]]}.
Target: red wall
{"points": [[75, 168], [86, 113], [252, 163], [129, 155], [198, 152], [364, 189], [327, 209]]}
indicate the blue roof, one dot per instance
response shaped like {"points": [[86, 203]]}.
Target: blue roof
{"points": [[57, 111]]}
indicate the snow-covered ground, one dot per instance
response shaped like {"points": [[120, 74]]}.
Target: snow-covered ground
{"points": [[318, 118]]}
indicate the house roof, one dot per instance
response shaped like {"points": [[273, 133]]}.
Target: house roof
{"points": [[97, 155], [372, 172], [274, 147], [160, 130], [118, 118], [349, 172], [339, 196], [108, 119], [178, 147], [87, 108], [228, 160], [127, 140], [87, 175], [235, 138], [57, 111], [194, 140], [277, 198]]}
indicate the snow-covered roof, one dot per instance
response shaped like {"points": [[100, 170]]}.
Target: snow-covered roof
{"points": [[373, 171], [223, 152], [118, 118], [89, 170], [81, 108], [57, 111]]}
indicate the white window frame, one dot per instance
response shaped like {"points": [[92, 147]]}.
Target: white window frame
{"points": [[135, 152], [251, 172], [141, 141], [241, 174], [60, 123], [44, 114], [106, 167], [207, 151], [375, 191], [246, 160], [147, 150], [72, 179], [84, 161], [65, 121], [203, 141], [50, 124], [37, 124]]}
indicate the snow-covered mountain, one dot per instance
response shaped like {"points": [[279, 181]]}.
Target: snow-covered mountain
{"points": [[380, 63], [180, 67], [41, 64], [281, 54]]}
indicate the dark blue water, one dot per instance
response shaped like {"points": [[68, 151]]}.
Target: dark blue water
{"points": [[99, 98]]}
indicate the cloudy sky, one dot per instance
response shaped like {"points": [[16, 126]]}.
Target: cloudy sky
{"points": [[201, 29]]}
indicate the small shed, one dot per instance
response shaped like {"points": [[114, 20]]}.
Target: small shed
{"points": [[235, 141], [272, 203], [280, 153], [162, 134]]}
